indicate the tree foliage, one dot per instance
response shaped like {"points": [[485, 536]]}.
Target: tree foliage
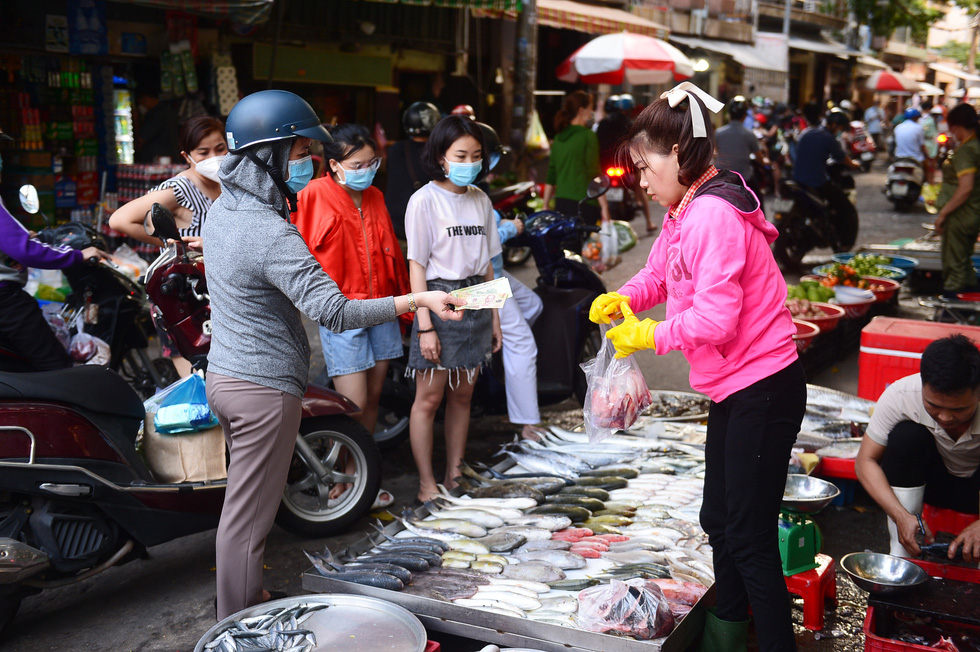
{"points": [[956, 50], [885, 16]]}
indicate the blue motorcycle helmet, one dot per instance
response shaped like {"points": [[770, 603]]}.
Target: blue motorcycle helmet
{"points": [[272, 115], [269, 116], [912, 114], [625, 102]]}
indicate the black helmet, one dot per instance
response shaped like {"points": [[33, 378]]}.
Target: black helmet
{"points": [[626, 102], [420, 119], [611, 104], [492, 149], [837, 117], [738, 108], [271, 115]]}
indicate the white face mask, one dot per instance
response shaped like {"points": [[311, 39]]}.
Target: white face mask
{"points": [[208, 168]]}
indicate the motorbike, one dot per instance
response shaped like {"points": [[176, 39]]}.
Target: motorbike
{"points": [[77, 499], [512, 201], [804, 222], [106, 303], [903, 185], [620, 196], [860, 145]]}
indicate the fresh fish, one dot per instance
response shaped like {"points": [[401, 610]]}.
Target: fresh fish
{"points": [[477, 516], [940, 550], [517, 476], [627, 472], [511, 588], [616, 521], [456, 563], [492, 606], [405, 560], [457, 555], [277, 630], [629, 512], [590, 504], [636, 557], [607, 482], [455, 525], [425, 540], [539, 464], [528, 532], [536, 571], [496, 559], [573, 512], [503, 490], [551, 544], [376, 579], [422, 530], [576, 584], [591, 492], [561, 604], [577, 464], [499, 512], [622, 504], [401, 573], [546, 485], [504, 539], [431, 558], [537, 587], [469, 545], [518, 600], [553, 522], [489, 567], [423, 592], [418, 546], [562, 559], [601, 528], [513, 503]]}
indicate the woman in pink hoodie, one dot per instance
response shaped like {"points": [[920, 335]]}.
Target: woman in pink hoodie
{"points": [[713, 267]]}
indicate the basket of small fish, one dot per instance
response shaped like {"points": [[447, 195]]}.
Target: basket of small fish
{"points": [[666, 405], [316, 623]]}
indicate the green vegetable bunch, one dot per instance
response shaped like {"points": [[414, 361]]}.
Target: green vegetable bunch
{"points": [[811, 291], [869, 265]]}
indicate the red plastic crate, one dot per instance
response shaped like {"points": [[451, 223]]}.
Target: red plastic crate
{"points": [[433, 646], [948, 571], [891, 349], [836, 467], [946, 520], [875, 643]]}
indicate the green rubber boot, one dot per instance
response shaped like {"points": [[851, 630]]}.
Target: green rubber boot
{"points": [[723, 635]]}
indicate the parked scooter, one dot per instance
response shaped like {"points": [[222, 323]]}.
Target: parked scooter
{"points": [[106, 304], [76, 498], [620, 196], [512, 201], [804, 222], [903, 185]]}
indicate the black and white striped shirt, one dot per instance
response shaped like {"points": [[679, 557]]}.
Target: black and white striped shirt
{"points": [[190, 197]]}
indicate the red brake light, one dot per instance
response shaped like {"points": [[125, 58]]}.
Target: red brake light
{"points": [[942, 138], [615, 172]]}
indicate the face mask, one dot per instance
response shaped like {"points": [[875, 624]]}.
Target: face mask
{"points": [[463, 174], [357, 179], [300, 173], [208, 168]]}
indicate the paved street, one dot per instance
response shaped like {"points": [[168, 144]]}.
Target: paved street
{"points": [[164, 603]]}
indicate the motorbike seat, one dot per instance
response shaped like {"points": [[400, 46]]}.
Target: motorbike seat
{"points": [[91, 387]]}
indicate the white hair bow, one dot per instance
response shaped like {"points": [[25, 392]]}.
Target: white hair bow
{"points": [[683, 90]]}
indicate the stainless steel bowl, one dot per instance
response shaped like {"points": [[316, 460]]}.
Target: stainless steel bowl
{"points": [[881, 574], [350, 623], [808, 495]]}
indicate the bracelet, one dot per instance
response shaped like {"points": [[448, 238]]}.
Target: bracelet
{"points": [[426, 330], [412, 307]]}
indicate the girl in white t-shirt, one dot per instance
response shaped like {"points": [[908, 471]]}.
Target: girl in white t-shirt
{"points": [[451, 238]]}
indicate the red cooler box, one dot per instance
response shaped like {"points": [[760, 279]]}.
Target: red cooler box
{"points": [[891, 349]]}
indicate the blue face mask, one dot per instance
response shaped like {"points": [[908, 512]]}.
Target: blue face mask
{"points": [[463, 174], [300, 173], [358, 179]]}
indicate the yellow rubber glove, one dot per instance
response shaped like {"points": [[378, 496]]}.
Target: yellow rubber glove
{"points": [[632, 335], [607, 307]]}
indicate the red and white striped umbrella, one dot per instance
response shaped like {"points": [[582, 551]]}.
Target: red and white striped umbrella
{"points": [[639, 59], [889, 81]]}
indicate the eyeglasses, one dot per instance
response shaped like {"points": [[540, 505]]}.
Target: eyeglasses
{"points": [[373, 164]]}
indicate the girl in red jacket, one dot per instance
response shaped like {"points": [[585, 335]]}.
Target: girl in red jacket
{"points": [[345, 223]]}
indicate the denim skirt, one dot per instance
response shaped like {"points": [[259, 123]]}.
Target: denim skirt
{"points": [[465, 344]]}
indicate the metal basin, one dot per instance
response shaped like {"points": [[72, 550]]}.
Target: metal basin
{"points": [[350, 623], [808, 495], [881, 574]]}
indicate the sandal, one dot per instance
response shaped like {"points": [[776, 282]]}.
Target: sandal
{"points": [[380, 502]]}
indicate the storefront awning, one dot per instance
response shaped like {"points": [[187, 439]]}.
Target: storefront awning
{"points": [[954, 72], [240, 12], [565, 14], [871, 62], [821, 46], [747, 55]]}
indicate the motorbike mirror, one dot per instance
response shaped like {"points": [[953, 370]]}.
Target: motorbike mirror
{"points": [[597, 187], [29, 200], [160, 223]]}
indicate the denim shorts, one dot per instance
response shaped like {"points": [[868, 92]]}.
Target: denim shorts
{"points": [[360, 348]]}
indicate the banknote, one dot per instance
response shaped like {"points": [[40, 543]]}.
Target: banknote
{"points": [[485, 295]]}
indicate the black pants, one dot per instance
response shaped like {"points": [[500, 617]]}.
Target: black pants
{"points": [[750, 435], [590, 214], [25, 332], [911, 459], [843, 214]]}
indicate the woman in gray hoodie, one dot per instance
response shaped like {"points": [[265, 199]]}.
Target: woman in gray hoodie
{"points": [[261, 276]]}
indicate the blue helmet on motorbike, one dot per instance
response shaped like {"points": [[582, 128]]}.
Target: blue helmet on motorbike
{"points": [[912, 114], [625, 102], [271, 115]]}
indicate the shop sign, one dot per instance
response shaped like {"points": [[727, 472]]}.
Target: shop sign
{"points": [[56, 33], [87, 28]]}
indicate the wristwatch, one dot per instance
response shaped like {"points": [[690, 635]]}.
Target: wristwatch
{"points": [[411, 303]]}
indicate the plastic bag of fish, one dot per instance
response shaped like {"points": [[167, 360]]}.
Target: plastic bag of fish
{"points": [[617, 392], [632, 608]]}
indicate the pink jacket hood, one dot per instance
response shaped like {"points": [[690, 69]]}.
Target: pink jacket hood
{"points": [[724, 292]]}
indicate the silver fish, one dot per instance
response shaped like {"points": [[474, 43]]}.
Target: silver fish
{"points": [[550, 544], [535, 571], [434, 533], [458, 526], [559, 558], [477, 516], [540, 464], [553, 522], [504, 540], [530, 533]]}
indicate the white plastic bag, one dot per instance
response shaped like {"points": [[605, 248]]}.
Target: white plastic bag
{"points": [[617, 392], [610, 243], [631, 608]]}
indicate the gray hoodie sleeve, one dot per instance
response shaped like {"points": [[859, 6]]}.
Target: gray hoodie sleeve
{"points": [[291, 267]]}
